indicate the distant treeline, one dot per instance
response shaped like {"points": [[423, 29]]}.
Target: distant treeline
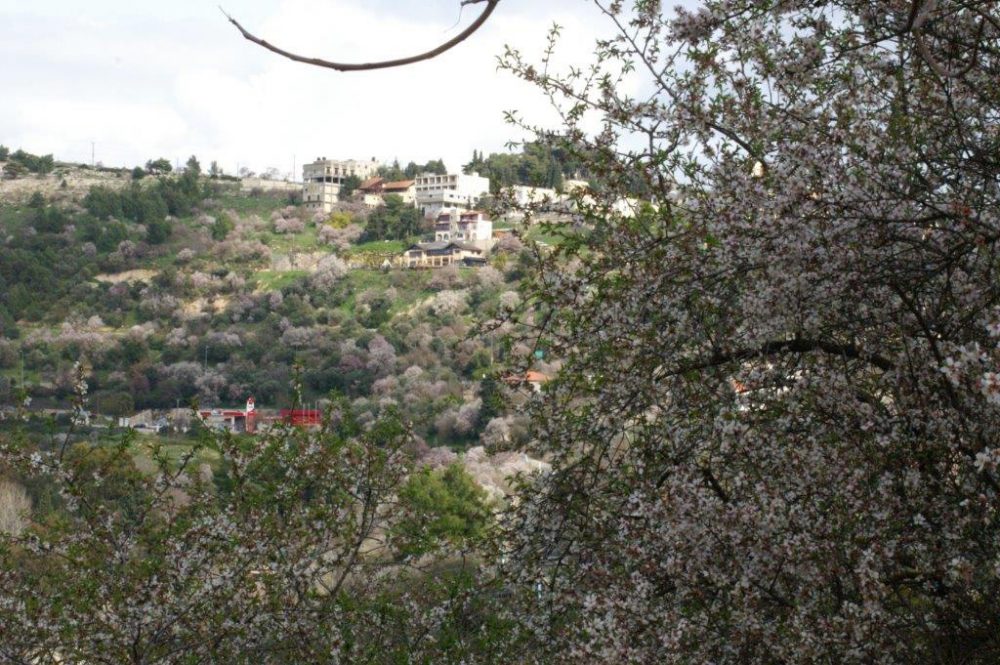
{"points": [[150, 204], [21, 162], [412, 170], [393, 221], [537, 165]]}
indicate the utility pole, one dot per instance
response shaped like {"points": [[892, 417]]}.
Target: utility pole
{"points": [[93, 161], [294, 165]]}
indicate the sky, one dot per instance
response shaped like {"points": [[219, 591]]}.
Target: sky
{"points": [[137, 80]]}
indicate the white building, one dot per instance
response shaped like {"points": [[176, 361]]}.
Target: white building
{"points": [[523, 195], [323, 179], [472, 228], [437, 192]]}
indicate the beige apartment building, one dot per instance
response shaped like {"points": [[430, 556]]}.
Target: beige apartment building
{"points": [[322, 180]]}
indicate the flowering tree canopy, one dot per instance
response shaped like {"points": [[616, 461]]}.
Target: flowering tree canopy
{"points": [[772, 438], [775, 434], [285, 552]]}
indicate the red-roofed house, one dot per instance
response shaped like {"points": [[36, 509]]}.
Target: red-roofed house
{"points": [[531, 378], [374, 191]]}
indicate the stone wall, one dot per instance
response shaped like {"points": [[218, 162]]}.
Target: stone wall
{"points": [[250, 184]]}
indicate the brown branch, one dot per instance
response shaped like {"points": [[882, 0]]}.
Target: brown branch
{"points": [[491, 5], [713, 483], [916, 27], [785, 347]]}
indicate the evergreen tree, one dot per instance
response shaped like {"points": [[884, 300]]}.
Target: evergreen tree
{"points": [[159, 166], [350, 185]]}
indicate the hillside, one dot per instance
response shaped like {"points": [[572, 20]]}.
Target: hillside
{"points": [[178, 288]]}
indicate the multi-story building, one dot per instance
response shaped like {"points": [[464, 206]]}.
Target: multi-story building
{"points": [[439, 192], [472, 228], [323, 179]]}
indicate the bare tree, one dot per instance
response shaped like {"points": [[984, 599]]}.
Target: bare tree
{"points": [[491, 5]]}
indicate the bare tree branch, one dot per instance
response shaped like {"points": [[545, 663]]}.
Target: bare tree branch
{"points": [[774, 348], [491, 5]]}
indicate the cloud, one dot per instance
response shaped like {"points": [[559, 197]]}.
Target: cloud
{"points": [[144, 87], [64, 122]]}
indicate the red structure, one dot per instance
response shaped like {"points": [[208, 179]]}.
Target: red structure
{"points": [[232, 419], [533, 379], [251, 415], [249, 420], [302, 417]]}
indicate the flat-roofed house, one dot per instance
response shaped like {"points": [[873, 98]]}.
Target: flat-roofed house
{"points": [[442, 253]]}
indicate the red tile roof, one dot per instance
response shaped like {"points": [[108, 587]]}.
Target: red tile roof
{"points": [[531, 377], [371, 183]]}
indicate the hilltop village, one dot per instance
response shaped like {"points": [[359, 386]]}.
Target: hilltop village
{"points": [[449, 202], [190, 299]]}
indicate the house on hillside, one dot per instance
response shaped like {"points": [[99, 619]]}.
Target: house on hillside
{"points": [[436, 193], [374, 190], [523, 195], [443, 253], [472, 228], [532, 379]]}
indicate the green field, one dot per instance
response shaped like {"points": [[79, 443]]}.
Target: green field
{"points": [[270, 280], [382, 247], [245, 204], [173, 449]]}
